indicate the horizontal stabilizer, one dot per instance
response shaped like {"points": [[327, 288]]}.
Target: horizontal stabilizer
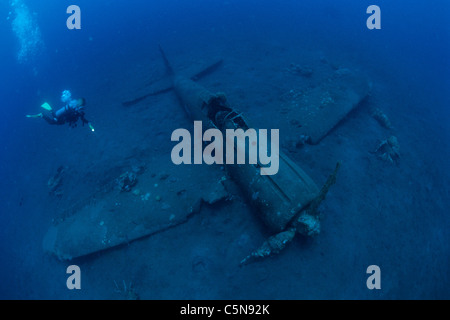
{"points": [[164, 85], [161, 86]]}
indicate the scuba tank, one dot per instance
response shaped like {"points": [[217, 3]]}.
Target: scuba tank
{"points": [[72, 106]]}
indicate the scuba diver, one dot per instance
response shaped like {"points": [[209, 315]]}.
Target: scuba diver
{"points": [[70, 113]]}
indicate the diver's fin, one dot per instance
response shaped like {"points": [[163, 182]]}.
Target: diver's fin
{"points": [[39, 115], [46, 106]]}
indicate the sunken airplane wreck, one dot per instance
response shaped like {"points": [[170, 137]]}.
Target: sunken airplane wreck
{"points": [[287, 201]]}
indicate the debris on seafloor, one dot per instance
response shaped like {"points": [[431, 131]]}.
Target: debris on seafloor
{"points": [[55, 182], [389, 150], [127, 292], [300, 70], [291, 96], [382, 118], [306, 223], [326, 100], [126, 181], [296, 142]]}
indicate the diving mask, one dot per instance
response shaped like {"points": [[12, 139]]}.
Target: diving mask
{"points": [[66, 96]]}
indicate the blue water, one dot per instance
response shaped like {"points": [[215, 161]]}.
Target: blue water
{"points": [[395, 216]]}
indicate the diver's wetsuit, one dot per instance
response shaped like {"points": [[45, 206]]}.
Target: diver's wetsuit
{"points": [[70, 116]]}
